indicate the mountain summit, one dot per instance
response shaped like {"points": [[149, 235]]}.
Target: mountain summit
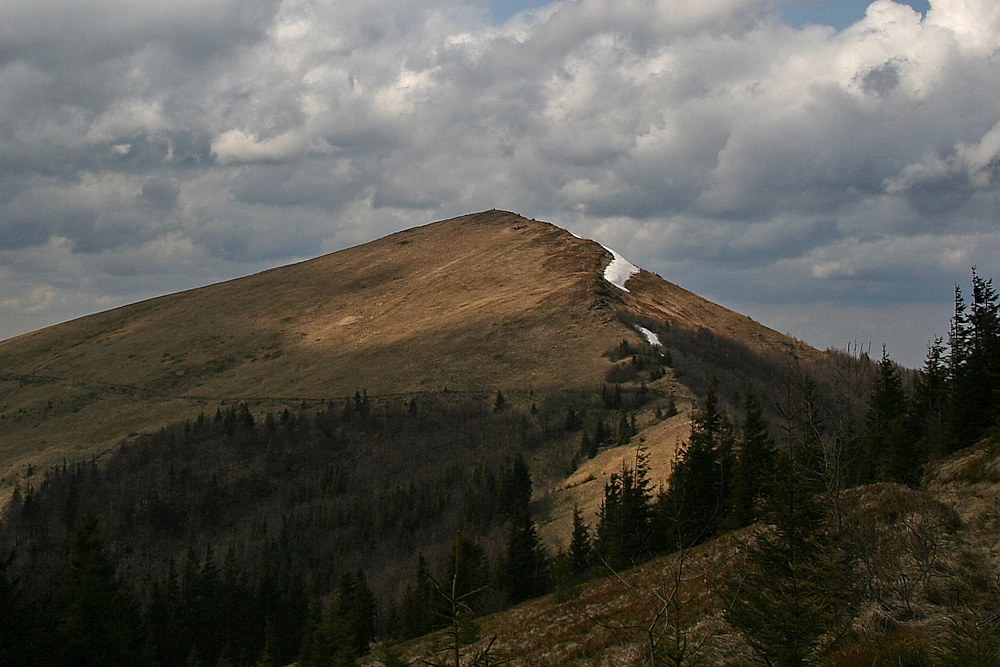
{"points": [[482, 302]]}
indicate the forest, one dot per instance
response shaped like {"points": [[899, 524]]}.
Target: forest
{"points": [[305, 535]]}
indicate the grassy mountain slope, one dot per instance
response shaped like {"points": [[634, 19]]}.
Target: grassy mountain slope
{"points": [[481, 302], [241, 431]]}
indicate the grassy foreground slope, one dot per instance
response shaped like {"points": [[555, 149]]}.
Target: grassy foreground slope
{"points": [[924, 590]]}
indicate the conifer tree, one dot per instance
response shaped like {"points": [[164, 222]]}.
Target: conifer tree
{"points": [[164, 619], [355, 606], [794, 601], [416, 613], [698, 494], [19, 623], [328, 640], [515, 487], [624, 523], [930, 408], [580, 546], [572, 423], [96, 623], [464, 581], [523, 570], [754, 464], [468, 571], [888, 453], [624, 430], [976, 362]]}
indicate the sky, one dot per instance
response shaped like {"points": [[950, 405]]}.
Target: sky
{"points": [[827, 168]]}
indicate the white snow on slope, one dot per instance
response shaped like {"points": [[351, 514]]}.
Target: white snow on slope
{"points": [[619, 270], [651, 337]]}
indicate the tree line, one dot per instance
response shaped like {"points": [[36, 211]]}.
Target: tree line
{"points": [[238, 537]]}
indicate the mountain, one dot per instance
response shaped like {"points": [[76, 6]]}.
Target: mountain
{"points": [[395, 440], [300, 461], [483, 302]]}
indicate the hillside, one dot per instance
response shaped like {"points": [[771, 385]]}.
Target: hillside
{"points": [[923, 590], [482, 302], [297, 463]]}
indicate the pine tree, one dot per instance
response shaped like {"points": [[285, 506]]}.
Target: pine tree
{"points": [[698, 495], [624, 523], [888, 453], [794, 601], [580, 546], [96, 616], [523, 572], [416, 614], [977, 383], [929, 418], [754, 464], [355, 607]]}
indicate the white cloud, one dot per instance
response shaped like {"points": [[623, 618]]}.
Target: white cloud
{"points": [[239, 146], [974, 23], [706, 140], [975, 164]]}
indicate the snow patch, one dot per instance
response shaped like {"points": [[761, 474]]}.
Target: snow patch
{"points": [[619, 270], [650, 337]]}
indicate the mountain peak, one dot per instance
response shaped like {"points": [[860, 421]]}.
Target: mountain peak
{"points": [[481, 302]]}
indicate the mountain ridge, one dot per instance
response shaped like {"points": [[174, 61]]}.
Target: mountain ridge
{"points": [[482, 302]]}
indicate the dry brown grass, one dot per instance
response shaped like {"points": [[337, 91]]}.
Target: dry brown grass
{"points": [[605, 622], [585, 487], [481, 302], [931, 563]]}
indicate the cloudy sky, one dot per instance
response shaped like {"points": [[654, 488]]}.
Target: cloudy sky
{"points": [[829, 168]]}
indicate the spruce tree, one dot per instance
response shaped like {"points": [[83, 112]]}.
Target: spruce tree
{"points": [[523, 572], [96, 615], [328, 640], [515, 487], [467, 574], [888, 452], [929, 418], [580, 546], [794, 600], [572, 423], [624, 535], [355, 607], [416, 614], [698, 495], [754, 464], [20, 625], [977, 387]]}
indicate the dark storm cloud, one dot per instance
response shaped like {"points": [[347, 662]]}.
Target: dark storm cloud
{"points": [[160, 193], [882, 79]]}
